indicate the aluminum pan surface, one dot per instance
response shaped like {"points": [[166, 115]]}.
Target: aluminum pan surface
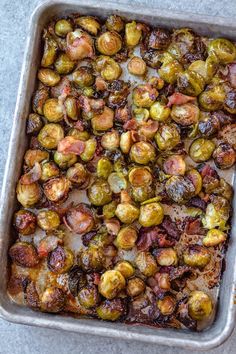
{"points": [[224, 322]]}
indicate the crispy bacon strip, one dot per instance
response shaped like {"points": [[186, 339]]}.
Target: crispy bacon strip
{"points": [[71, 145], [179, 98], [33, 175]]}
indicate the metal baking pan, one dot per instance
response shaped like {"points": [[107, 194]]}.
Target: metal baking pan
{"points": [[223, 324]]}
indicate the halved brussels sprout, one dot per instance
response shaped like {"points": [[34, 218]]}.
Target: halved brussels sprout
{"points": [[35, 155], [137, 66], [24, 222], [53, 110], [151, 214], [99, 193], [159, 112], [125, 268], [206, 69], [111, 310], [49, 52], [170, 71], [126, 142], [166, 257], [56, 189], [62, 27], [64, 161], [28, 194], [185, 114], [140, 176], [77, 174], [111, 283], [196, 256], [110, 70], [141, 115], [127, 212], [190, 83], [89, 151], [167, 137], [34, 123], [142, 153], [79, 135], [212, 98], [103, 121], [89, 24], [109, 210], [132, 34], [213, 238], [141, 194], [217, 214], [48, 77], [135, 286], [79, 219], [223, 49], [109, 43], [48, 220], [201, 149], [111, 140], [126, 238], [146, 263], [72, 109], [180, 189], [39, 98], [166, 305], [174, 165], [50, 135], [53, 300], [49, 170], [60, 260], [83, 77], [199, 305], [24, 254], [88, 296], [144, 95], [63, 64], [196, 180], [104, 167], [115, 23], [117, 182]]}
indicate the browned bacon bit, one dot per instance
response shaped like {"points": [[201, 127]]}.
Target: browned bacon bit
{"points": [[86, 238], [179, 98], [153, 283], [164, 241], [170, 227], [71, 145], [33, 175], [122, 114], [183, 315], [47, 244], [63, 88], [79, 125], [80, 47], [194, 227], [113, 226], [198, 202], [232, 74], [207, 170], [32, 296], [153, 236], [130, 124], [100, 84], [17, 284], [149, 128], [91, 105]]}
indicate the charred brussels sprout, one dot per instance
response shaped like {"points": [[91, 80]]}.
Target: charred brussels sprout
{"points": [[100, 193], [146, 263], [127, 213], [135, 287], [60, 260], [111, 283], [137, 66], [88, 296], [159, 112], [166, 257], [139, 176], [196, 256], [89, 24], [109, 43], [108, 68], [208, 124], [223, 49], [201, 150], [179, 189], [132, 34], [39, 98], [63, 64], [230, 102], [32, 156], [125, 268], [126, 238], [52, 300], [185, 114], [142, 153], [49, 170], [24, 222], [174, 165], [77, 174], [92, 259], [115, 23], [213, 238], [144, 95], [196, 179], [34, 123], [111, 310], [48, 77], [48, 220], [151, 214], [56, 189], [62, 27], [212, 98], [199, 305], [217, 214], [64, 161], [50, 135], [167, 137], [24, 254], [83, 77], [159, 38], [224, 156], [49, 52], [190, 83], [28, 194]]}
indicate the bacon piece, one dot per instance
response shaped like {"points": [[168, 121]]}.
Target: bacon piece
{"points": [[100, 84], [153, 236], [71, 145], [170, 227], [81, 47], [33, 175], [130, 124], [113, 226], [149, 128], [91, 105], [194, 227], [61, 89], [232, 74], [197, 202], [79, 125], [122, 114], [179, 98], [47, 244]]}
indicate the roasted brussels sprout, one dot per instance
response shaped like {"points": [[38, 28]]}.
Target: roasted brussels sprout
{"points": [[24, 254], [223, 49], [212, 98], [135, 287], [159, 38], [50, 135], [53, 110], [217, 213], [125, 268], [196, 256], [208, 124], [83, 77], [52, 300], [48, 77], [159, 112], [104, 168], [126, 142], [126, 238], [213, 238], [166, 305], [185, 114], [228, 134], [151, 214], [190, 83], [111, 310], [72, 109], [137, 66], [224, 156], [100, 193], [56, 189], [179, 189], [117, 182], [49, 170], [108, 68], [142, 153], [103, 121], [140, 176], [79, 219], [92, 259], [109, 43], [89, 24], [62, 27], [48, 220], [24, 222], [206, 69], [196, 180], [115, 23], [111, 283], [174, 165], [230, 102], [63, 64], [146, 263], [132, 34], [88, 296], [167, 137], [111, 140], [32, 156], [60, 260], [28, 194], [144, 95], [89, 151], [127, 213], [77, 174], [201, 149], [39, 98], [79, 135], [64, 161], [170, 71], [34, 123], [141, 194], [199, 305], [166, 257], [49, 52]]}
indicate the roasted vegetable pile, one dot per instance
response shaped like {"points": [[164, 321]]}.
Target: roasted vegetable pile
{"points": [[124, 213]]}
